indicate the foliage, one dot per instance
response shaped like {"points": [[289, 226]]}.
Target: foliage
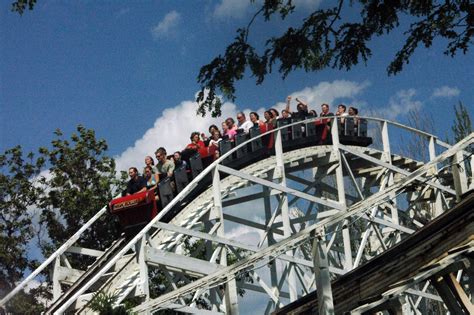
{"points": [[103, 304], [21, 5], [79, 182], [324, 40], [416, 146], [462, 125], [197, 249], [461, 128], [25, 303], [17, 193]]}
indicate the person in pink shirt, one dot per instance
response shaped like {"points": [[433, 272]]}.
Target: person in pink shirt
{"points": [[230, 129]]}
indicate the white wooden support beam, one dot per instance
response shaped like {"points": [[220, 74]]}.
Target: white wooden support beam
{"points": [[269, 222], [341, 194], [387, 157], [205, 236], [256, 288], [365, 237], [67, 275], [170, 279], [284, 210], [438, 204], [269, 217], [471, 163], [143, 287], [56, 276], [351, 174], [85, 251], [459, 175], [252, 224], [178, 263], [388, 223], [396, 169], [288, 190], [230, 294], [275, 298], [323, 278]]}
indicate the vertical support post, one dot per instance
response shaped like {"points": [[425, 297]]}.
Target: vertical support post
{"points": [[230, 295], [270, 241], [388, 158], [323, 279], [341, 195], [143, 287], [459, 175], [56, 284], [471, 179], [285, 216], [438, 204], [212, 292]]}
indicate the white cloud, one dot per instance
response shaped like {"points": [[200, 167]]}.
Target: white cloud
{"points": [[326, 92], [399, 104], [173, 128], [172, 131], [246, 234], [231, 9], [167, 26], [445, 91]]}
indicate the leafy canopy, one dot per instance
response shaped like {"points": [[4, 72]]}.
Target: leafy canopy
{"points": [[17, 193], [80, 179], [324, 40], [80, 182], [462, 125]]}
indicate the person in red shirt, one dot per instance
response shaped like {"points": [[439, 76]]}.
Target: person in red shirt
{"points": [[197, 144]]}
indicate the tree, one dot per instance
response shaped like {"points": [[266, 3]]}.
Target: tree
{"points": [[80, 182], [415, 146], [324, 40], [18, 193], [20, 6], [462, 126]]}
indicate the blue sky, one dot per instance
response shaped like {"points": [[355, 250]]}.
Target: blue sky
{"points": [[116, 66]]}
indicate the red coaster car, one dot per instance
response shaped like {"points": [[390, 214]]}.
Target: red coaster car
{"points": [[134, 211]]}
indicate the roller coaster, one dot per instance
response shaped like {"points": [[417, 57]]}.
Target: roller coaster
{"points": [[299, 218]]}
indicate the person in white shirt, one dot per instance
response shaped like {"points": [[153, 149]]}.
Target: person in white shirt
{"points": [[341, 110], [243, 123]]}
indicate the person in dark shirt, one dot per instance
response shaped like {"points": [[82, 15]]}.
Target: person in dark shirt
{"points": [[178, 160], [136, 183], [301, 108]]}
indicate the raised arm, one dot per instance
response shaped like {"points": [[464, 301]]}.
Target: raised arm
{"points": [[302, 102]]}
